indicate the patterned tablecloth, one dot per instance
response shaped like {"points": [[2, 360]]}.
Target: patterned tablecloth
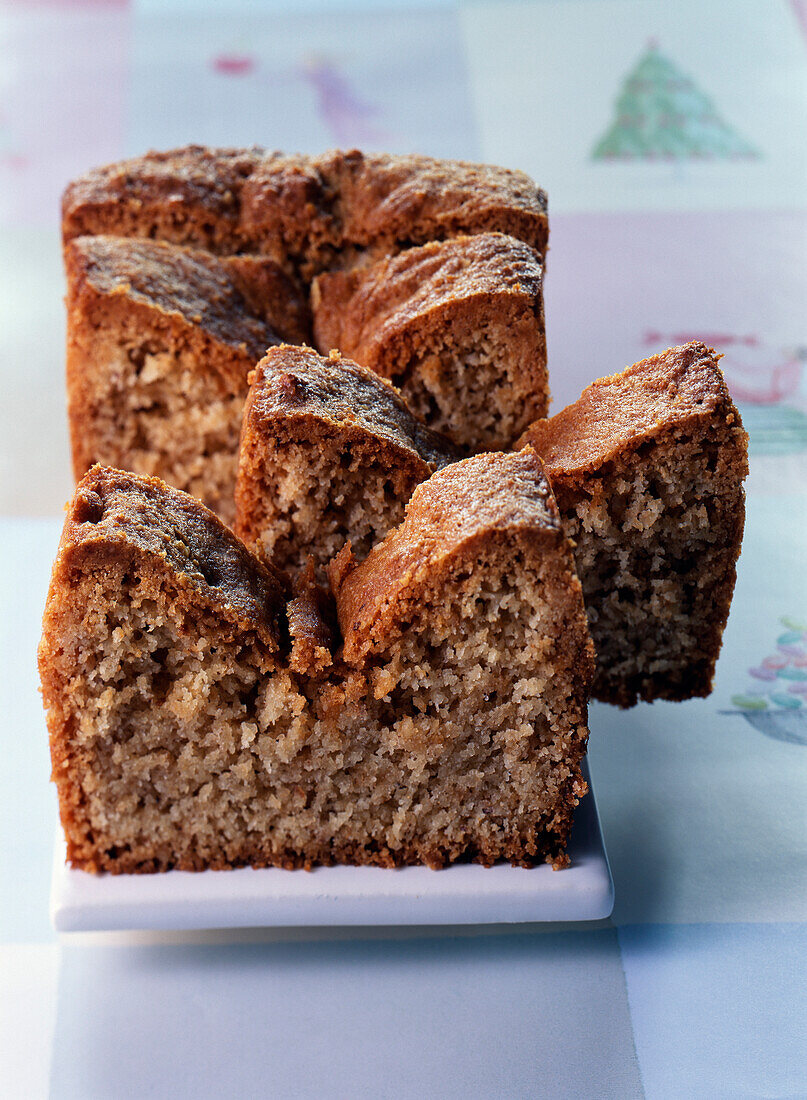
{"points": [[672, 139]]}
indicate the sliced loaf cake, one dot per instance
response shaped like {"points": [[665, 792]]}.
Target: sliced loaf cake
{"points": [[648, 468], [457, 325], [198, 718], [160, 341], [329, 453]]}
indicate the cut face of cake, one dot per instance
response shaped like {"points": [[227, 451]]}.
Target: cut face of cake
{"points": [[468, 622], [162, 673], [329, 453], [197, 719], [457, 326], [160, 342], [307, 213], [647, 468]]}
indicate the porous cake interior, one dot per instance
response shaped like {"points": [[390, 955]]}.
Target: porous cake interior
{"points": [[189, 754], [481, 721], [163, 415], [655, 541], [170, 728], [317, 494], [470, 390]]}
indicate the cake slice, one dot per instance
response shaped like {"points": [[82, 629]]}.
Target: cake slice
{"points": [[164, 678], [329, 453], [468, 622], [647, 467], [197, 717], [159, 345], [457, 325]]}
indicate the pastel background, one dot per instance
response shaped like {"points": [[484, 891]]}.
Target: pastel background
{"points": [[690, 223]]}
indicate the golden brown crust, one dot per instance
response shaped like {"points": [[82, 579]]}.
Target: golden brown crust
{"points": [[463, 315], [326, 211], [302, 211], [673, 389], [360, 312], [449, 515], [114, 512], [244, 303], [294, 382], [672, 408], [397, 201], [190, 196]]}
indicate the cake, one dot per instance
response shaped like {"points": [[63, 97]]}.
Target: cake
{"points": [[457, 325], [160, 344], [647, 467], [388, 660], [329, 454], [309, 213], [200, 717], [210, 255], [469, 624], [341, 208]]}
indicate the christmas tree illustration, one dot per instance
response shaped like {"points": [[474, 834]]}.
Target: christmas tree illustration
{"points": [[662, 114]]}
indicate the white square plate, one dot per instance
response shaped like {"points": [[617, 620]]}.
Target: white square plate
{"points": [[247, 898]]}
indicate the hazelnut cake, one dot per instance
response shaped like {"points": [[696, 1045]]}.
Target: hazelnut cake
{"points": [[200, 717], [329, 454], [161, 341], [210, 254], [647, 467], [457, 325], [388, 659]]}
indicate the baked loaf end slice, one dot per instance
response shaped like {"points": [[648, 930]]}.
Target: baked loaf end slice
{"points": [[163, 677], [329, 453], [647, 467], [198, 721], [468, 624], [307, 213], [160, 341], [457, 325], [189, 196]]}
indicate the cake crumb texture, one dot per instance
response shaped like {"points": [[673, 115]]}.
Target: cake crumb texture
{"points": [[330, 453], [457, 325], [186, 733], [648, 468]]}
